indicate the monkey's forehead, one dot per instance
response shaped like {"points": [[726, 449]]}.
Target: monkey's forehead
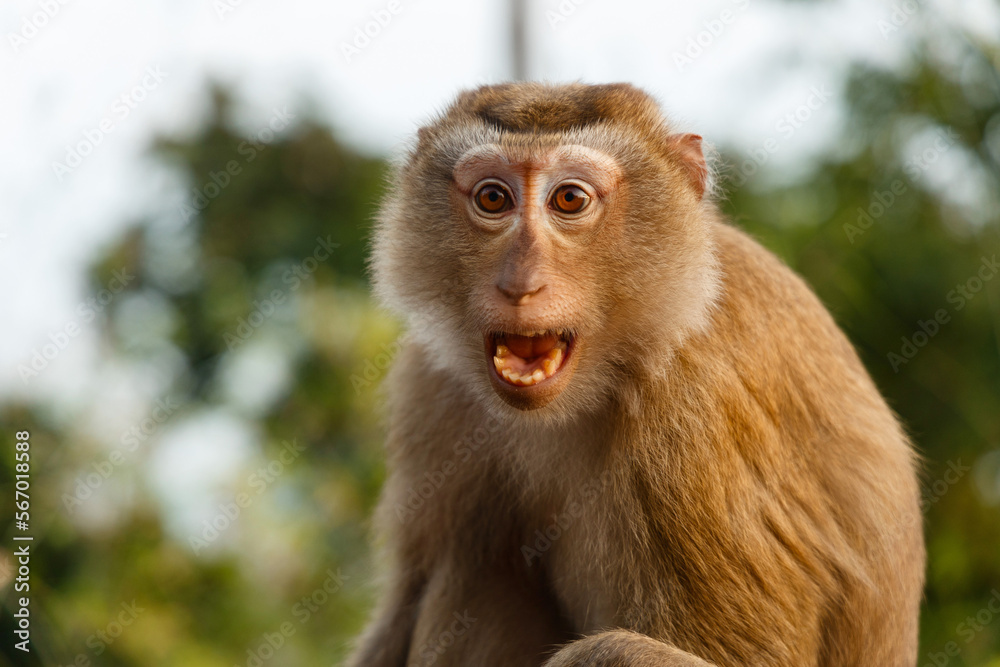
{"points": [[604, 148], [445, 145]]}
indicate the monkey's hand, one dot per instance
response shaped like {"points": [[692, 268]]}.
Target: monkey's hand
{"points": [[622, 648]]}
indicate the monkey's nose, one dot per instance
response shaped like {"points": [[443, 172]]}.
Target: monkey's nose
{"points": [[518, 294]]}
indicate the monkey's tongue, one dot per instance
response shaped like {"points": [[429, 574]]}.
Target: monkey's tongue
{"points": [[529, 347], [528, 360]]}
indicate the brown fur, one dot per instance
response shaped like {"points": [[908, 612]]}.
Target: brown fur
{"points": [[720, 481]]}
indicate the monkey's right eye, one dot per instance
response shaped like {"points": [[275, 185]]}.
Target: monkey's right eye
{"points": [[493, 198]]}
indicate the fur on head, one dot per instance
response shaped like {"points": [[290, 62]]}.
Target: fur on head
{"points": [[624, 283]]}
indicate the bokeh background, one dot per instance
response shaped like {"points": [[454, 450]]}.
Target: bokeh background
{"points": [[186, 196]]}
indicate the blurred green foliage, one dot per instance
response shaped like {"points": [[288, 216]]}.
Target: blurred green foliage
{"points": [[269, 264]]}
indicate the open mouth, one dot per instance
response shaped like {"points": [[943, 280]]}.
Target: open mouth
{"points": [[531, 359]]}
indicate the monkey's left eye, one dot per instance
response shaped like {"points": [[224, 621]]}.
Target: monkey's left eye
{"points": [[570, 199], [493, 198]]}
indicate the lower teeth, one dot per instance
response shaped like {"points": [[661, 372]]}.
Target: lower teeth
{"points": [[550, 365]]}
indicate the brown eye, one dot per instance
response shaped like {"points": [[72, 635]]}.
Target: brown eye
{"points": [[493, 198], [570, 199]]}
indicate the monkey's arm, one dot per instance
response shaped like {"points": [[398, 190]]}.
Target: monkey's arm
{"points": [[622, 648], [386, 641]]}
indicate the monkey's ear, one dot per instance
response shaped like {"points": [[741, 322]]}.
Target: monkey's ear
{"points": [[687, 147]]}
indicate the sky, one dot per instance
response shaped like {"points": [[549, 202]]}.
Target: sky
{"points": [[88, 84]]}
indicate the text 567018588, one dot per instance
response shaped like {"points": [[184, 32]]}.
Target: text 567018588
{"points": [[22, 553]]}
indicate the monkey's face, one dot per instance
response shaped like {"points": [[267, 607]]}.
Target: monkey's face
{"points": [[542, 262], [533, 216], [536, 272]]}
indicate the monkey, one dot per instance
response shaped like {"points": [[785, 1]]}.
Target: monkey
{"points": [[620, 432]]}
